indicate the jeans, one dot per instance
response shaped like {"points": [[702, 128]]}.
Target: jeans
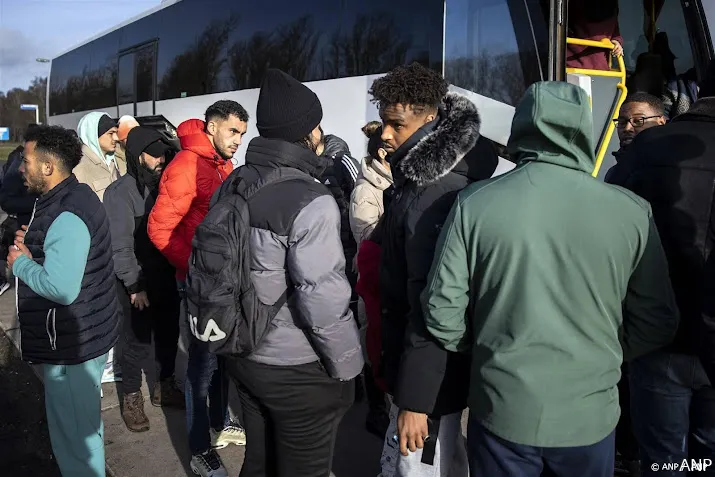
{"points": [[291, 415], [205, 378], [450, 453], [74, 416], [490, 455], [673, 411]]}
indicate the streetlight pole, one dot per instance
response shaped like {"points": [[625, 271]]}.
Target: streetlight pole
{"points": [[30, 107]]}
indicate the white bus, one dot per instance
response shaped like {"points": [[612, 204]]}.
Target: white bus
{"points": [[178, 58]]}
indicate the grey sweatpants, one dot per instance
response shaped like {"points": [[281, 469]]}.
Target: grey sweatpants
{"points": [[450, 459]]}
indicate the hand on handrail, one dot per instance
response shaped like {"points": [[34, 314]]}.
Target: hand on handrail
{"points": [[617, 48]]}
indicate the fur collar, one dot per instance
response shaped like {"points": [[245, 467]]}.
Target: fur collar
{"points": [[440, 151]]}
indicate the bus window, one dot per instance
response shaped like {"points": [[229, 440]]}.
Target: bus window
{"points": [[495, 47]]}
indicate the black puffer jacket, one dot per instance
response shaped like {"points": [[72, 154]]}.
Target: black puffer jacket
{"points": [[673, 168], [429, 170]]}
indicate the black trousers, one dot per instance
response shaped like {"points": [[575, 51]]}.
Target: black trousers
{"points": [[161, 318], [626, 442], [291, 415]]}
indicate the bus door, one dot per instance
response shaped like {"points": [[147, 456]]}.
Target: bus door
{"points": [[136, 80], [674, 32]]}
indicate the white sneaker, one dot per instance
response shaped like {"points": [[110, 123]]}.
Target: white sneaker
{"points": [[111, 374], [231, 434], [208, 464], [4, 287]]}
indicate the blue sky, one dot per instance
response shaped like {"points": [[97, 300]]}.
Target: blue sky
{"points": [[43, 28]]}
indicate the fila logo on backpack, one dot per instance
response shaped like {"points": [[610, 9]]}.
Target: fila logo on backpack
{"points": [[211, 333]]}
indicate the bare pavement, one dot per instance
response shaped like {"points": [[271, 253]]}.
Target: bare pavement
{"points": [[163, 451]]}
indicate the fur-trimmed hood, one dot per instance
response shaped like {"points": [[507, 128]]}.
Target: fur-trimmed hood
{"points": [[455, 134]]}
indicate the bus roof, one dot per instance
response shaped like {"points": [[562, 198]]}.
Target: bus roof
{"points": [[164, 4]]}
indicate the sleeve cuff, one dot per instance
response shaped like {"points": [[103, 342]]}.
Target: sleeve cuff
{"points": [[137, 287], [19, 265]]}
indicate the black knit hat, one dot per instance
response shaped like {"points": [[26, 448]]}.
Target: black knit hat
{"points": [[287, 109]]}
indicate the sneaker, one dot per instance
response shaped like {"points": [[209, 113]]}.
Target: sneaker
{"points": [[231, 434], [4, 287], [110, 373], [166, 394], [133, 412], [208, 464]]}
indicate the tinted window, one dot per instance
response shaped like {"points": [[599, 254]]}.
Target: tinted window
{"points": [[125, 80], [67, 84], [145, 73], [101, 77], [490, 46]]}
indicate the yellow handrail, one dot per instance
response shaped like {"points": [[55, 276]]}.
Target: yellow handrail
{"points": [[619, 73]]}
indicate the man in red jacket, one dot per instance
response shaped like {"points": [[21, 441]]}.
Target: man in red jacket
{"points": [[185, 191]]}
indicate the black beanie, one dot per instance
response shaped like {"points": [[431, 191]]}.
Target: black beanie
{"points": [[105, 124], [287, 109]]}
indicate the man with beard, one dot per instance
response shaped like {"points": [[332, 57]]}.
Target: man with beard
{"points": [[147, 288], [185, 191], [66, 301]]}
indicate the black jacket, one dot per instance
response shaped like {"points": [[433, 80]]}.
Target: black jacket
{"points": [[138, 264], [339, 175], [89, 326], [673, 167], [429, 171], [14, 197]]}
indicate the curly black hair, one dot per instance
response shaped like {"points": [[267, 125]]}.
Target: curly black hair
{"points": [[413, 85], [57, 142], [225, 108], [655, 103]]}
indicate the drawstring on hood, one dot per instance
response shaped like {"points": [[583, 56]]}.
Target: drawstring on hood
{"points": [[88, 132], [553, 124]]}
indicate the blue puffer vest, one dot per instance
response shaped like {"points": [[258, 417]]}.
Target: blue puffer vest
{"points": [[89, 327]]}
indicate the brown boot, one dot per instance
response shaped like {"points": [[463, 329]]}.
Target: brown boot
{"points": [[166, 394], [133, 412]]}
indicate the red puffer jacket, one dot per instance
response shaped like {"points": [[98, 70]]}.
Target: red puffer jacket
{"points": [[185, 191], [368, 262]]}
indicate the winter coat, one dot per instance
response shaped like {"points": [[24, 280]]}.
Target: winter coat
{"points": [[295, 241], [438, 161], [15, 199], [96, 169], [673, 167], [185, 190], [366, 201], [539, 273]]}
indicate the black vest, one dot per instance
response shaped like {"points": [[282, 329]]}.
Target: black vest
{"points": [[89, 327]]}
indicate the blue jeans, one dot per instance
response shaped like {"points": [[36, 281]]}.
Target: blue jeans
{"points": [[490, 455], [672, 410], [205, 378]]}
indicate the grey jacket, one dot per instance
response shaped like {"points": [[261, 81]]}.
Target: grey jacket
{"points": [[295, 239]]}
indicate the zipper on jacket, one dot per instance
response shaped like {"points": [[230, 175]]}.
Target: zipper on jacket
{"points": [[52, 334], [17, 280]]}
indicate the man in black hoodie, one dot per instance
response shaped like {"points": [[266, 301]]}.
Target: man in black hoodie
{"points": [[435, 151], [146, 283], [672, 394]]}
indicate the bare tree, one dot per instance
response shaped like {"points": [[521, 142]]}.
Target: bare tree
{"points": [[10, 114], [499, 77]]}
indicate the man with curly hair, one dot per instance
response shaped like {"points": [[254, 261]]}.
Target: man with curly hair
{"points": [[432, 137], [66, 297]]}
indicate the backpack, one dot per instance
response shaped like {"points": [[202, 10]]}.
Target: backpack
{"points": [[223, 307]]}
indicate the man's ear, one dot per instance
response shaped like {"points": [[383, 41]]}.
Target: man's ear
{"points": [[211, 128], [48, 167]]}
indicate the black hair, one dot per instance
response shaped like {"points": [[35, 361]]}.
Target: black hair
{"points": [[225, 108], [655, 103], [371, 128], [30, 127], [58, 142], [414, 85]]}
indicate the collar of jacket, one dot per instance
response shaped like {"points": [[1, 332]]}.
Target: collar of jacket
{"points": [[193, 138], [702, 110], [435, 149], [278, 153], [375, 173], [56, 191]]}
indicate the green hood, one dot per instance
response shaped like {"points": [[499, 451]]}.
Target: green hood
{"points": [[553, 124], [87, 132]]}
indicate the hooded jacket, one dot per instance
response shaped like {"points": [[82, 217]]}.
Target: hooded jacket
{"points": [[429, 169], [539, 271], [673, 167], [366, 201], [295, 242], [96, 169], [137, 262], [185, 191]]}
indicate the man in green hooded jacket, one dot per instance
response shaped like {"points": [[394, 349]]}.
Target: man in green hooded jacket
{"points": [[549, 278]]}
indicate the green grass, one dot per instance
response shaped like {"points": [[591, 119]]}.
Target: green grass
{"points": [[5, 149]]}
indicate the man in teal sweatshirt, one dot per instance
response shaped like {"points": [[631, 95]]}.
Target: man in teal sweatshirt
{"points": [[538, 274], [66, 297]]}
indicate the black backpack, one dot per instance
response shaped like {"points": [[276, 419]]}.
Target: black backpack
{"points": [[223, 307]]}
